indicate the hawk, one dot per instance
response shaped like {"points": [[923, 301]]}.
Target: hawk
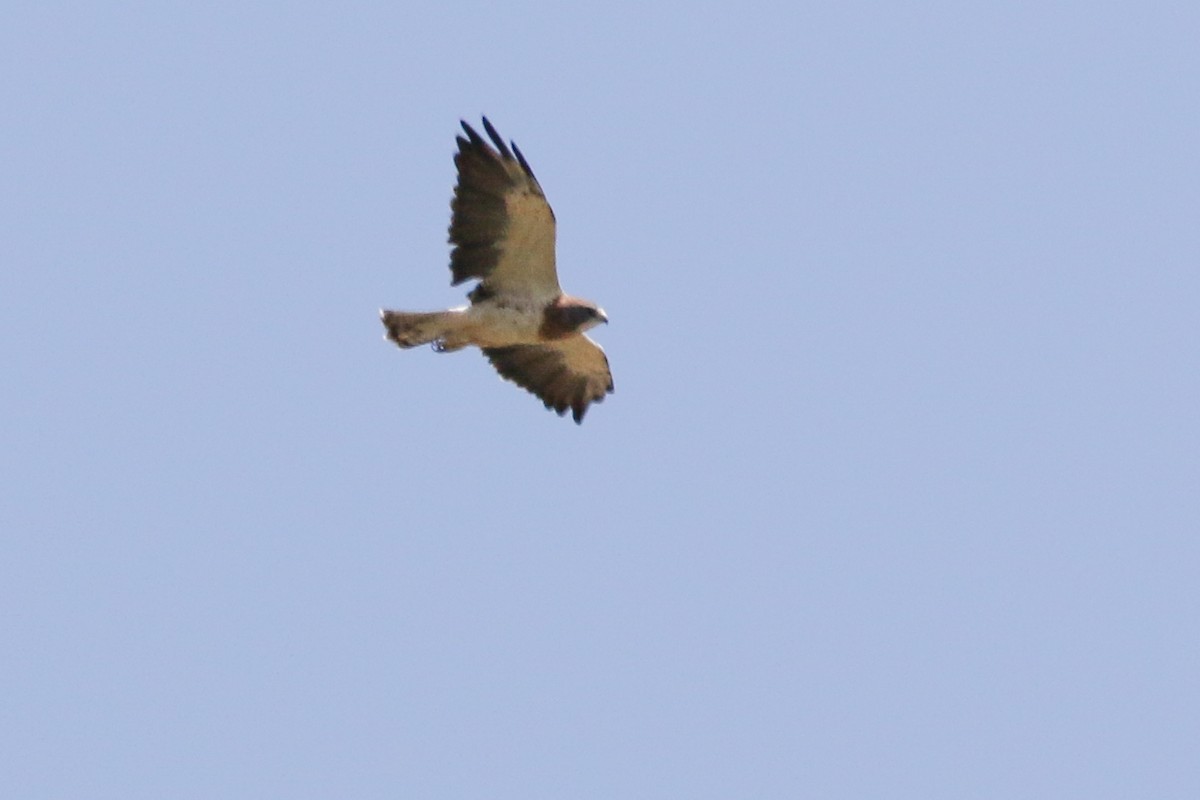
{"points": [[502, 232]]}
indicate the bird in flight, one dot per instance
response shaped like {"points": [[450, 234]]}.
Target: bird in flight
{"points": [[502, 232]]}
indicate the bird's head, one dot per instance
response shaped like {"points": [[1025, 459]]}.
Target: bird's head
{"points": [[595, 316], [579, 315]]}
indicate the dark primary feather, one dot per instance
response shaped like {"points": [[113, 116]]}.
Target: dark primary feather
{"points": [[495, 137], [523, 162], [571, 374], [503, 148]]}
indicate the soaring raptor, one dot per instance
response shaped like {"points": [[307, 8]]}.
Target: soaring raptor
{"points": [[502, 230]]}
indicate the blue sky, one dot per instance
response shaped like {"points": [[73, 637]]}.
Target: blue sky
{"points": [[896, 496]]}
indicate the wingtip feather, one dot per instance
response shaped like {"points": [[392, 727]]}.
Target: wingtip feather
{"points": [[496, 139]]}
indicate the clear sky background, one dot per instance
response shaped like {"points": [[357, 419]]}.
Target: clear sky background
{"points": [[898, 495]]}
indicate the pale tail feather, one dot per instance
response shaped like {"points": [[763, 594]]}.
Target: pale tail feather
{"points": [[414, 328]]}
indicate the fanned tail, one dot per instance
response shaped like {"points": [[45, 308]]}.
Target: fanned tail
{"points": [[415, 328]]}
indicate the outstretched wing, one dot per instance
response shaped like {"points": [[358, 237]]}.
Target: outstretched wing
{"points": [[565, 373], [502, 227]]}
